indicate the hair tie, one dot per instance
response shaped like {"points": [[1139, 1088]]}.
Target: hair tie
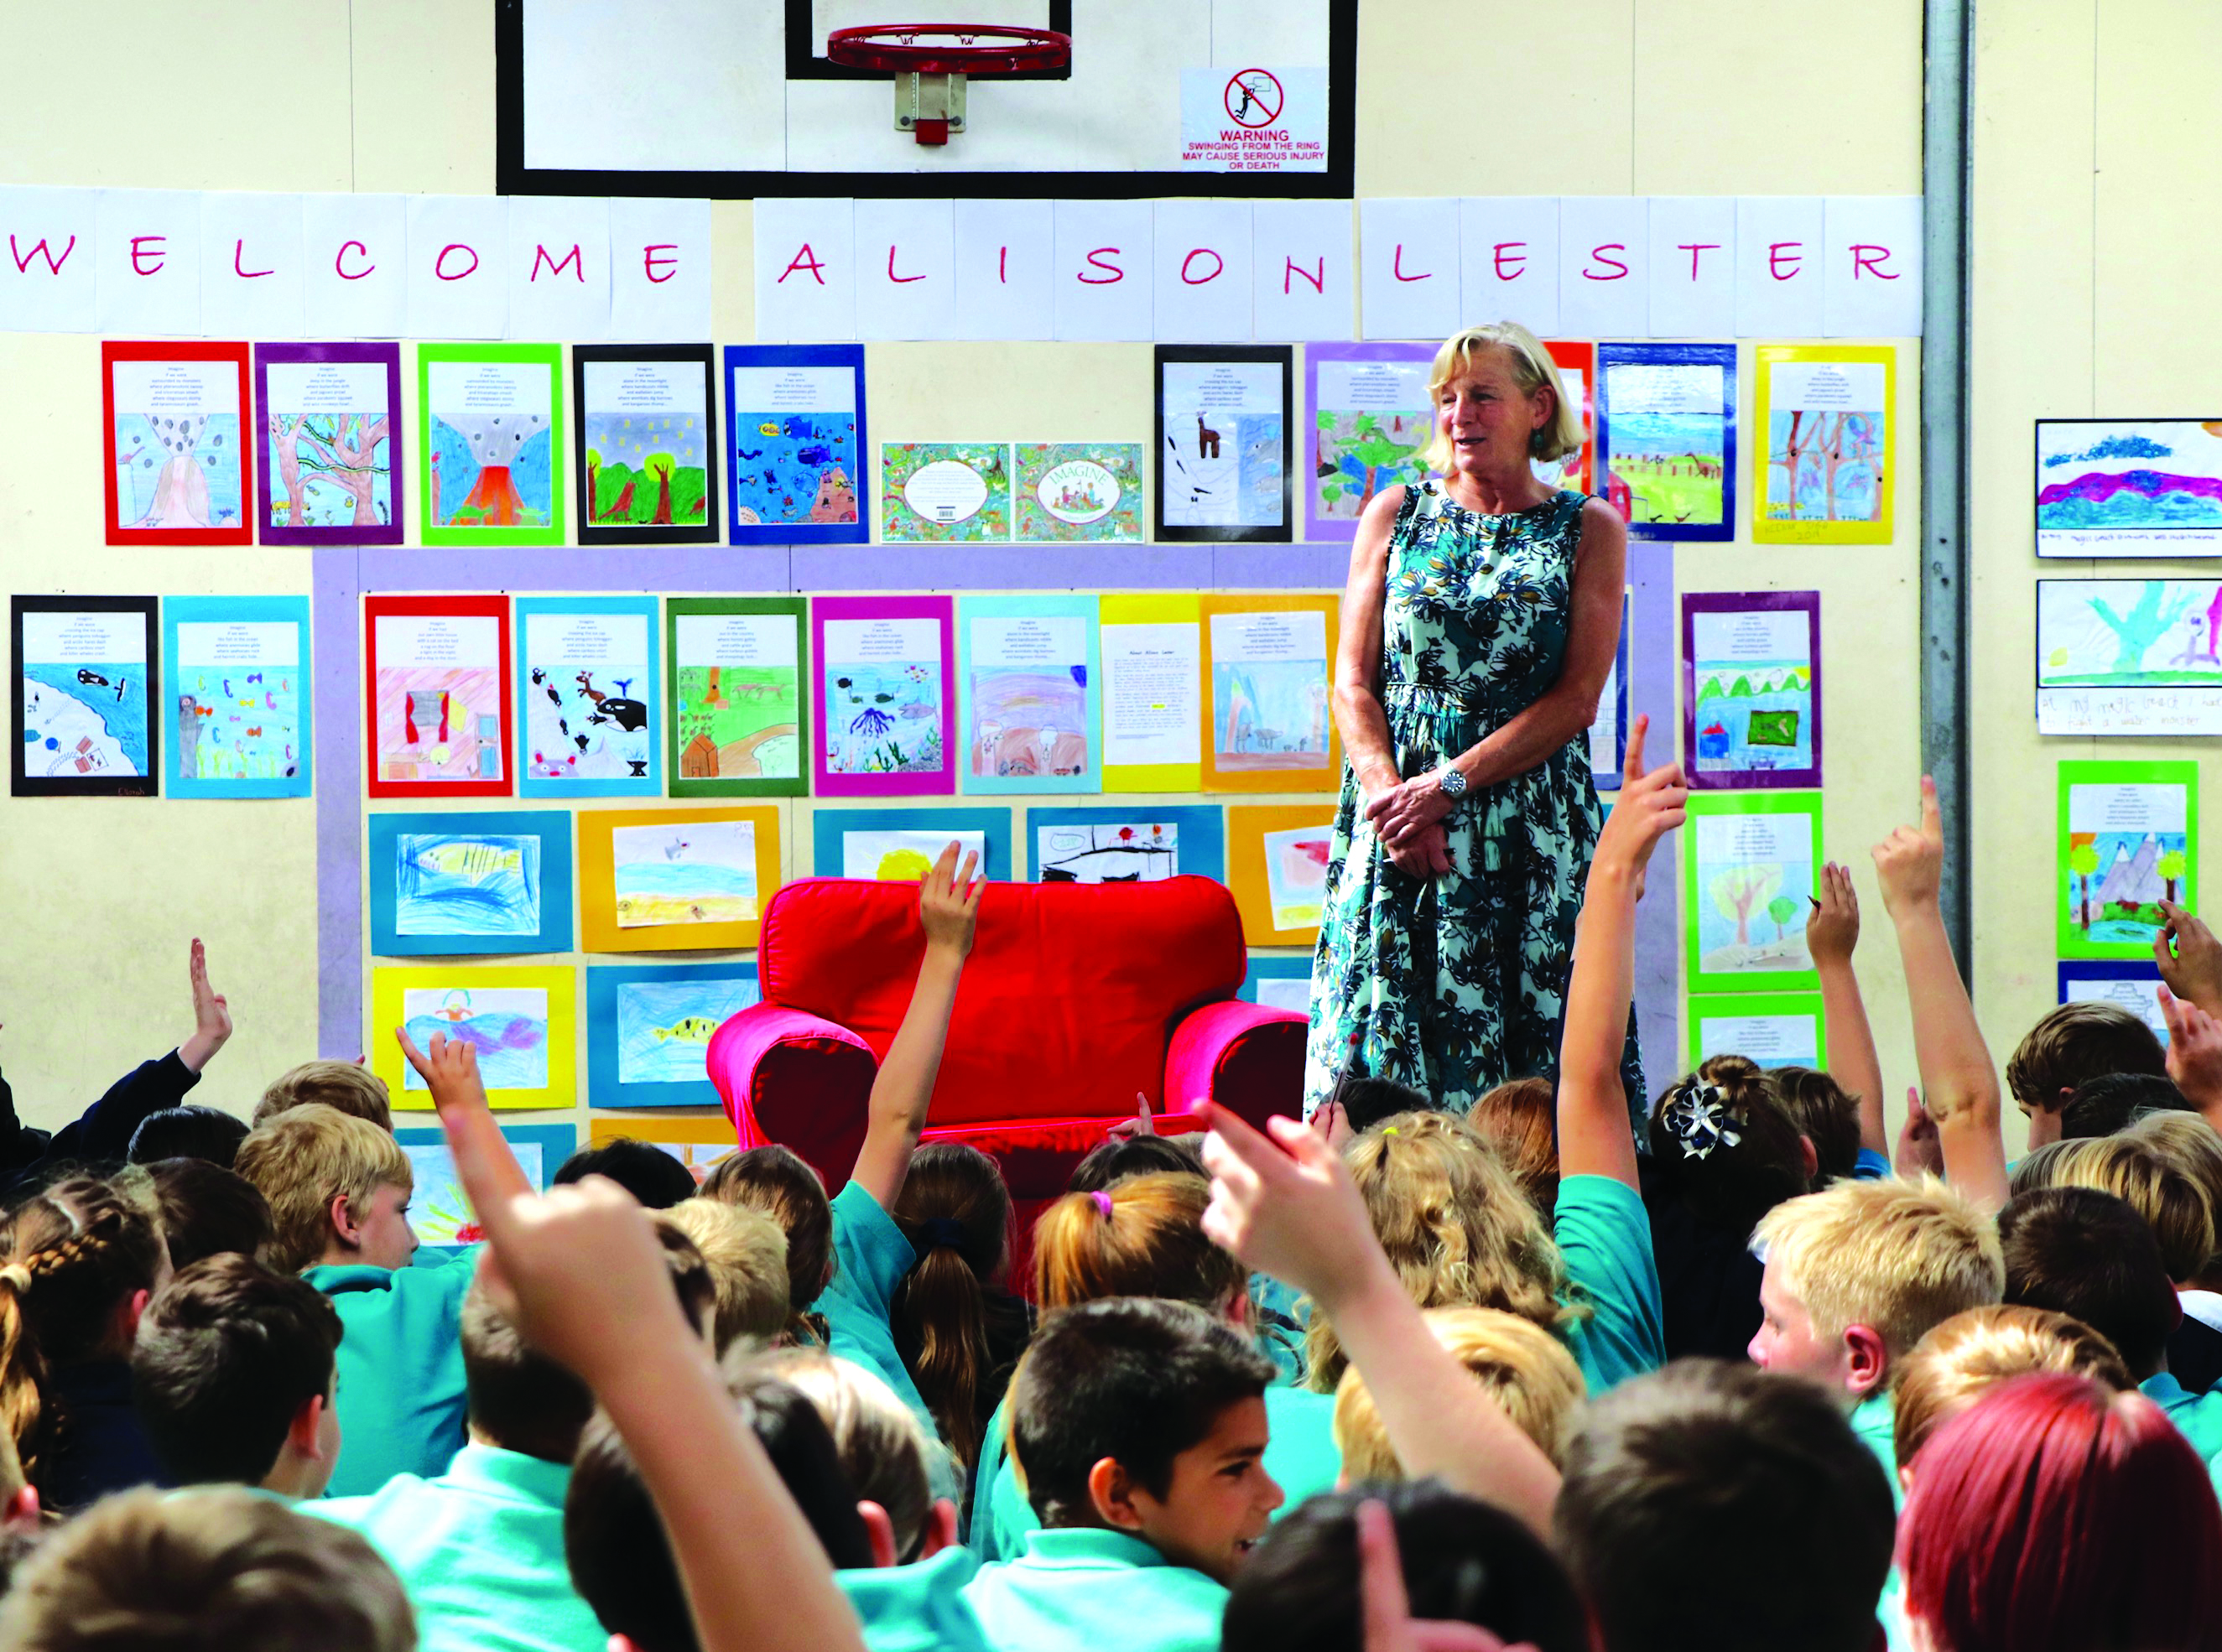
{"points": [[17, 1276], [939, 1230], [1699, 1120], [1388, 1129], [1103, 1203]]}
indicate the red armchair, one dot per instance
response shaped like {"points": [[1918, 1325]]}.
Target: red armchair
{"points": [[1076, 997]]}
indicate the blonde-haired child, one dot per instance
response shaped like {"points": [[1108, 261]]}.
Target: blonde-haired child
{"points": [[1524, 1367]]}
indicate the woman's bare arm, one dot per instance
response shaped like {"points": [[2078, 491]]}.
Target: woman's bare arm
{"points": [[1357, 714]]}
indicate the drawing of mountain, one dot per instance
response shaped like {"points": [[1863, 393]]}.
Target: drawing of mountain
{"points": [[2131, 881], [2099, 486]]}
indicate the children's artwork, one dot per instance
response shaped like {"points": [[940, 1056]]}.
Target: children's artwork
{"points": [[794, 444], [1828, 475], [518, 1019], [1276, 861], [675, 879], [438, 1209], [236, 682], [1751, 688], [328, 417], [2129, 657], [1666, 446], [438, 682], [2129, 487], [85, 698], [883, 683], [1609, 733], [737, 708], [936, 491], [1271, 668], [1222, 441], [1772, 1030], [460, 883], [649, 1027], [1107, 844], [700, 1144], [1748, 885], [1079, 493], [2129, 840], [647, 443], [1368, 417], [1028, 679], [490, 444], [1152, 651], [179, 468], [1577, 366], [587, 679], [901, 845], [1280, 982], [2134, 986]]}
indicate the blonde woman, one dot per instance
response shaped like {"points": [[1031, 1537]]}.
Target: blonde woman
{"points": [[1480, 626]]}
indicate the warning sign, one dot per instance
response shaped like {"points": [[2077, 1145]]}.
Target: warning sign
{"points": [[1253, 120]]}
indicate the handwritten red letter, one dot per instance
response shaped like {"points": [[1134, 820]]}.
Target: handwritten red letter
{"points": [[1775, 259], [1694, 247], [40, 249], [1604, 255], [650, 263], [1095, 258], [571, 261], [339, 262], [1518, 259], [1861, 264], [1293, 269], [238, 256], [804, 259], [1396, 268], [139, 266], [440, 263], [1218, 264], [900, 280]]}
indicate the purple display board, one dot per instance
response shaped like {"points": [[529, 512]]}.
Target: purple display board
{"points": [[883, 689], [328, 444], [1751, 689]]}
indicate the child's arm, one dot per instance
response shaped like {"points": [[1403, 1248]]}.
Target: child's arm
{"points": [[2190, 959], [2195, 1054], [1296, 1214], [581, 1274], [103, 1133], [1593, 1134], [1959, 1085], [1831, 934], [948, 908]]}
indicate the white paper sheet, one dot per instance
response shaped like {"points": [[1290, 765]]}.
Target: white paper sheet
{"points": [[559, 267], [806, 271], [458, 254], [1872, 275], [354, 276], [1004, 254], [1203, 282], [1694, 241], [1101, 280], [149, 262], [1604, 262], [1408, 268], [1152, 693], [906, 269], [467, 640], [1779, 266], [1509, 260], [1299, 263], [659, 269], [50, 240], [251, 266]]}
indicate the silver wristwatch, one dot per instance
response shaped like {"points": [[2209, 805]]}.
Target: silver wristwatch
{"points": [[1452, 782]]}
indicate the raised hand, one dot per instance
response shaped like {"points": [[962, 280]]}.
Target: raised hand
{"points": [[2190, 958], [1289, 1210], [211, 1014], [1650, 806], [2194, 1050], [1832, 929], [1910, 861], [1141, 1124], [949, 902], [1920, 1150]]}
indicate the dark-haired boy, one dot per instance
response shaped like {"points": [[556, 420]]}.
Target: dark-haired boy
{"points": [[1138, 1427], [2069, 1046]]}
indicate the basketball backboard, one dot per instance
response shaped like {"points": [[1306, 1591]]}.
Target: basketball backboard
{"points": [[739, 98]]}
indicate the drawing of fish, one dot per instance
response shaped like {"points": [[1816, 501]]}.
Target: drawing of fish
{"points": [[695, 1029], [472, 862], [767, 430]]}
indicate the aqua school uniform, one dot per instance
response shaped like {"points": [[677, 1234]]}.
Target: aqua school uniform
{"points": [[917, 1608], [1875, 1419], [400, 1368], [871, 1258], [1604, 1237], [1083, 1589], [2198, 1417], [1300, 1455], [481, 1551]]}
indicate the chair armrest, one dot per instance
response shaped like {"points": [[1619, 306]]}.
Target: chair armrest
{"points": [[798, 1080], [1248, 1057]]}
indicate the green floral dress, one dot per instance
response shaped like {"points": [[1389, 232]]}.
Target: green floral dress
{"points": [[1454, 985]]}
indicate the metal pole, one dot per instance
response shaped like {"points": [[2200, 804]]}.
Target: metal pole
{"points": [[1946, 163]]}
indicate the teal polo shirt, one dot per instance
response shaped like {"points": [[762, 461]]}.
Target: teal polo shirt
{"points": [[917, 1608], [871, 1259], [480, 1550], [1083, 1589], [1875, 1419], [1604, 1239], [2198, 1417], [400, 1368]]}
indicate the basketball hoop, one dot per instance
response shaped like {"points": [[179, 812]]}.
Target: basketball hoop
{"points": [[931, 61]]}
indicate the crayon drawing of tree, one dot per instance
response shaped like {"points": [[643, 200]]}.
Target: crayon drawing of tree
{"points": [[1781, 909], [2083, 861], [1740, 891], [2169, 870], [2136, 631]]}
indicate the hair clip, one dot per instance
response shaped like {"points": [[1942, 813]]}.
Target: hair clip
{"points": [[1103, 1203], [1388, 1129], [1699, 1120]]}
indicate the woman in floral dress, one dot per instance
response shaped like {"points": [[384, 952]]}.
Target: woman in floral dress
{"points": [[1480, 626]]}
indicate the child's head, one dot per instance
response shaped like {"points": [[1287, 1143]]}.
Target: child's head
{"points": [[882, 1448], [613, 1539], [1972, 1351], [1368, 1102], [1526, 1369], [1112, 1161], [338, 1187], [2150, 1182], [1141, 1237], [1147, 1416], [1858, 1273], [745, 1257], [208, 1211], [956, 1212], [2075, 1042], [1723, 1145], [208, 1133], [2087, 1254], [2037, 1167], [215, 1570], [1456, 1226], [1520, 1120], [1463, 1562], [2189, 1143], [351, 1086], [2056, 1515], [1825, 1114], [652, 1176], [232, 1376], [779, 1182], [1709, 1504], [2101, 1105]]}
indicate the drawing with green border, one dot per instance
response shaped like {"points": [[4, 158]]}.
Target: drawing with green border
{"points": [[490, 443]]}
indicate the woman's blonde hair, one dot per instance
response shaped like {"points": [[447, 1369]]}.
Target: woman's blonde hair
{"points": [[1457, 1227], [1143, 1237], [1525, 1368], [1532, 370], [1959, 1357]]}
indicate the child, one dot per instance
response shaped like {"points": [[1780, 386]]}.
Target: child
{"points": [[338, 1188], [1134, 1155], [2076, 1041], [82, 1264], [1968, 1353], [746, 1255], [1831, 1117], [1140, 1428], [2189, 1143], [1524, 1367], [232, 1375], [207, 1211], [2112, 1101], [349, 1085], [1849, 1115], [642, 1168], [1516, 1119], [205, 1569], [205, 1133], [776, 1183], [2174, 1204], [2055, 1515]]}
